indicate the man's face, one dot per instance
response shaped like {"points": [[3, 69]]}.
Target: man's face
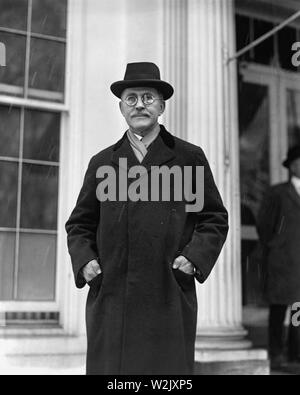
{"points": [[142, 118], [295, 167]]}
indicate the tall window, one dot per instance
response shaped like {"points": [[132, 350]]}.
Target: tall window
{"points": [[293, 117], [34, 34]]}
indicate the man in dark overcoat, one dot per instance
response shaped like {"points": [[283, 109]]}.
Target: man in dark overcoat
{"points": [[279, 231], [140, 257]]}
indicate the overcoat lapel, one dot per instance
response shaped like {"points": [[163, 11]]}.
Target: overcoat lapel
{"points": [[158, 154], [123, 150], [293, 194]]}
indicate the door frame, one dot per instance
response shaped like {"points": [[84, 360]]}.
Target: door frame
{"points": [[278, 81]]}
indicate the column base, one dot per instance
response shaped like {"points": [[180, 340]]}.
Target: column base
{"points": [[228, 352]]}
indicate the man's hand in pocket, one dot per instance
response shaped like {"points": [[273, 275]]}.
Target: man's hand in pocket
{"points": [[91, 270], [184, 265]]}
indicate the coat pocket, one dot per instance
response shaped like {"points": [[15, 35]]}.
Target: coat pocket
{"points": [[95, 283], [185, 281]]}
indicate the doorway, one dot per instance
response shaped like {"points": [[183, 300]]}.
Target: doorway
{"points": [[269, 123]]}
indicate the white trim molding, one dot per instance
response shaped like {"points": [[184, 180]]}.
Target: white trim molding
{"points": [[71, 301]]}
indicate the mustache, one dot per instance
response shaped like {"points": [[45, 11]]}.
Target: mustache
{"points": [[140, 114]]}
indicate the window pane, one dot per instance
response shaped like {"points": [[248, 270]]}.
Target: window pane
{"points": [[264, 52], [9, 131], [7, 257], [13, 14], [49, 17], [243, 35], [13, 73], [254, 131], [39, 197], [41, 135], [8, 194], [293, 117], [254, 128], [36, 277], [47, 65]]}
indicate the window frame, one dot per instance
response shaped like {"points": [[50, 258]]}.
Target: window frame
{"points": [[278, 82], [40, 93], [63, 107], [19, 305]]}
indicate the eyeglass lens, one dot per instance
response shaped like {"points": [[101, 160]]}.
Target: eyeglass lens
{"points": [[147, 99]]}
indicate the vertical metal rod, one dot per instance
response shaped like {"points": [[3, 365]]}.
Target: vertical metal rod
{"points": [[19, 197], [28, 43]]}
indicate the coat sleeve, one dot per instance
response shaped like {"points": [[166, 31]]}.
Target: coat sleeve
{"points": [[82, 226], [211, 226]]}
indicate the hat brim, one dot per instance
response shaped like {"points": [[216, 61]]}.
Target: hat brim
{"points": [[163, 87]]}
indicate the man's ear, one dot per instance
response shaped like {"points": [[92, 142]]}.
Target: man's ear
{"points": [[162, 107]]}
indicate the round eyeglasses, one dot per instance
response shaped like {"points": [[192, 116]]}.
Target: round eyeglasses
{"points": [[147, 99]]}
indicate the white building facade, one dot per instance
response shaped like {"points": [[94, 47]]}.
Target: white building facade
{"points": [[191, 41]]}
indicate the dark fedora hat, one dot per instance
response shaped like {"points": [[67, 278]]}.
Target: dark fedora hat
{"points": [[142, 74], [293, 154]]}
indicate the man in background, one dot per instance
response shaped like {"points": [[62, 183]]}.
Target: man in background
{"points": [[279, 231]]}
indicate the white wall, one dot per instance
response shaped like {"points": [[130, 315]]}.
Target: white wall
{"points": [[144, 31], [103, 58], [116, 32]]}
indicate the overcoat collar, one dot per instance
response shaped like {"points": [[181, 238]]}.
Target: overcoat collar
{"points": [[159, 152]]}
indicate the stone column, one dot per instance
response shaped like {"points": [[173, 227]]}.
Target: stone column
{"points": [[204, 32], [175, 52]]}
